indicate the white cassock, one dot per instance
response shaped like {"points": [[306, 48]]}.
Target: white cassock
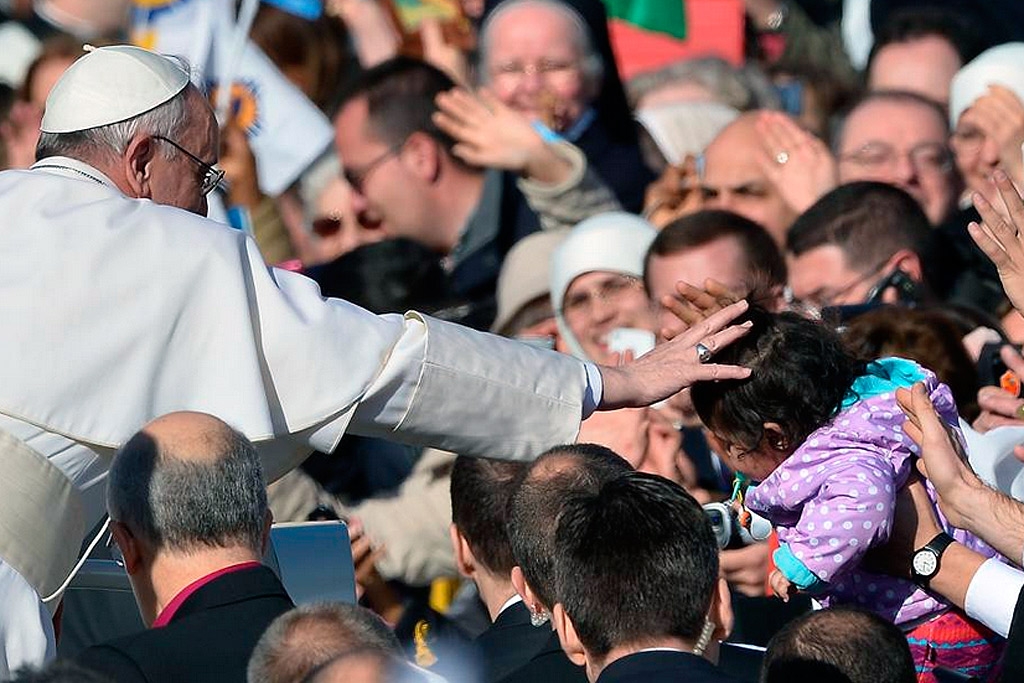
{"points": [[120, 310]]}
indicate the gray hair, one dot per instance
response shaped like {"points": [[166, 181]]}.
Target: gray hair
{"points": [[591, 64], [168, 119], [186, 505], [306, 637], [743, 89]]}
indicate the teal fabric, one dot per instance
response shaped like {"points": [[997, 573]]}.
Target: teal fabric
{"points": [[882, 377], [794, 570]]}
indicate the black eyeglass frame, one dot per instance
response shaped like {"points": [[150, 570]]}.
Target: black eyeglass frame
{"points": [[212, 176]]}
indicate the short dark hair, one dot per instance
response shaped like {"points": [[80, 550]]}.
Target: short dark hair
{"points": [[480, 493], [400, 99], [943, 21], [869, 221], [839, 644], [765, 263], [635, 559], [838, 128], [800, 373], [537, 500]]}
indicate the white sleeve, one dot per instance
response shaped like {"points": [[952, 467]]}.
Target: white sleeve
{"points": [[988, 595], [468, 392]]}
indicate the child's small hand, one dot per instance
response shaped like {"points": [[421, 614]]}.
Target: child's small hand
{"points": [[781, 586]]}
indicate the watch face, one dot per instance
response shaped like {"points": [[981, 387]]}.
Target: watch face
{"points": [[925, 563]]}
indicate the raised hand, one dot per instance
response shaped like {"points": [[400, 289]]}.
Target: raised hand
{"points": [[1001, 116], [694, 305], [674, 194], [999, 234], [799, 164]]}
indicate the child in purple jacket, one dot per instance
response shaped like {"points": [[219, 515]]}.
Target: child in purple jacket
{"points": [[823, 435]]}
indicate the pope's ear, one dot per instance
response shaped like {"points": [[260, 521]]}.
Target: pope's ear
{"points": [[137, 161]]}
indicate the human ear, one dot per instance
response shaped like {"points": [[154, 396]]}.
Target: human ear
{"points": [[775, 436], [567, 636], [136, 162], [464, 560], [131, 548], [422, 155]]}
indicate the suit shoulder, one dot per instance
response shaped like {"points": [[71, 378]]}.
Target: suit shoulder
{"points": [[113, 660]]}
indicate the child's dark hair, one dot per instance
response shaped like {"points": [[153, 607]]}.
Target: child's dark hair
{"points": [[801, 371]]}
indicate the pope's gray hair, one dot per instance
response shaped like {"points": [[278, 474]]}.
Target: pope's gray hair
{"points": [[184, 505], [591, 64], [168, 119]]}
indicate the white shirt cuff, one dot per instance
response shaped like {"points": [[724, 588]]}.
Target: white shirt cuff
{"points": [[992, 595], [595, 388]]}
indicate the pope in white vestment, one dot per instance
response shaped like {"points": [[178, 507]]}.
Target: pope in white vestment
{"points": [[119, 310]]}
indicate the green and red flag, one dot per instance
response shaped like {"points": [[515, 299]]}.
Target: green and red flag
{"points": [[647, 34]]}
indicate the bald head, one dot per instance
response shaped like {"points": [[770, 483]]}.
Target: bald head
{"points": [[186, 481], [308, 636], [732, 178]]}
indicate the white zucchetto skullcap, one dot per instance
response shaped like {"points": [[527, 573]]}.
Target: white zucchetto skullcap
{"points": [[109, 85], [1001, 65], [615, 242]]}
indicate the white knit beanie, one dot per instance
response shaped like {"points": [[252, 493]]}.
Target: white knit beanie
{"points": [[615, 242]]}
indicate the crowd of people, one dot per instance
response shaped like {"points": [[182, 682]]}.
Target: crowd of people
{"points": [[560, 347]]}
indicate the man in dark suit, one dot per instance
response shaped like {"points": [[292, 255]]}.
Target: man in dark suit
{"points": [[188, 510], [533, 511], [640, 598]]}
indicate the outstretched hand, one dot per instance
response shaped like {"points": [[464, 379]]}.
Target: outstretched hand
{"points": [[671, 367], [999, 235]]}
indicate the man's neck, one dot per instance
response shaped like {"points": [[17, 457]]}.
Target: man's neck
{"points": [[494, 592], [594, 668], [458, 201], [173, 572]]}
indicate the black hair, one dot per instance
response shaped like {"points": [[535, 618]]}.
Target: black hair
{"points": [[765, 263], [480, 492], [400, 96], [392, 276], [836, 645], [800, 373], [636, 560], [537, 501], [913, 23], [869, 221]]}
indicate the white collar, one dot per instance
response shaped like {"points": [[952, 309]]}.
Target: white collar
{"points": [[508, 603], [72, 168]]}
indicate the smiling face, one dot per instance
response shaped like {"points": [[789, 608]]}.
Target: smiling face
{"points": [[598, 302], [534, 64]]}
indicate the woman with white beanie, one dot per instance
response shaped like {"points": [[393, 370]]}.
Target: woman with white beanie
{"points": [[597, 287], [986, 113]]}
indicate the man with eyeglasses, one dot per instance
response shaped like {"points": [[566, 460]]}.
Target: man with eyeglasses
{"points": [[864, 242], [121, 302], [901, 139]]}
